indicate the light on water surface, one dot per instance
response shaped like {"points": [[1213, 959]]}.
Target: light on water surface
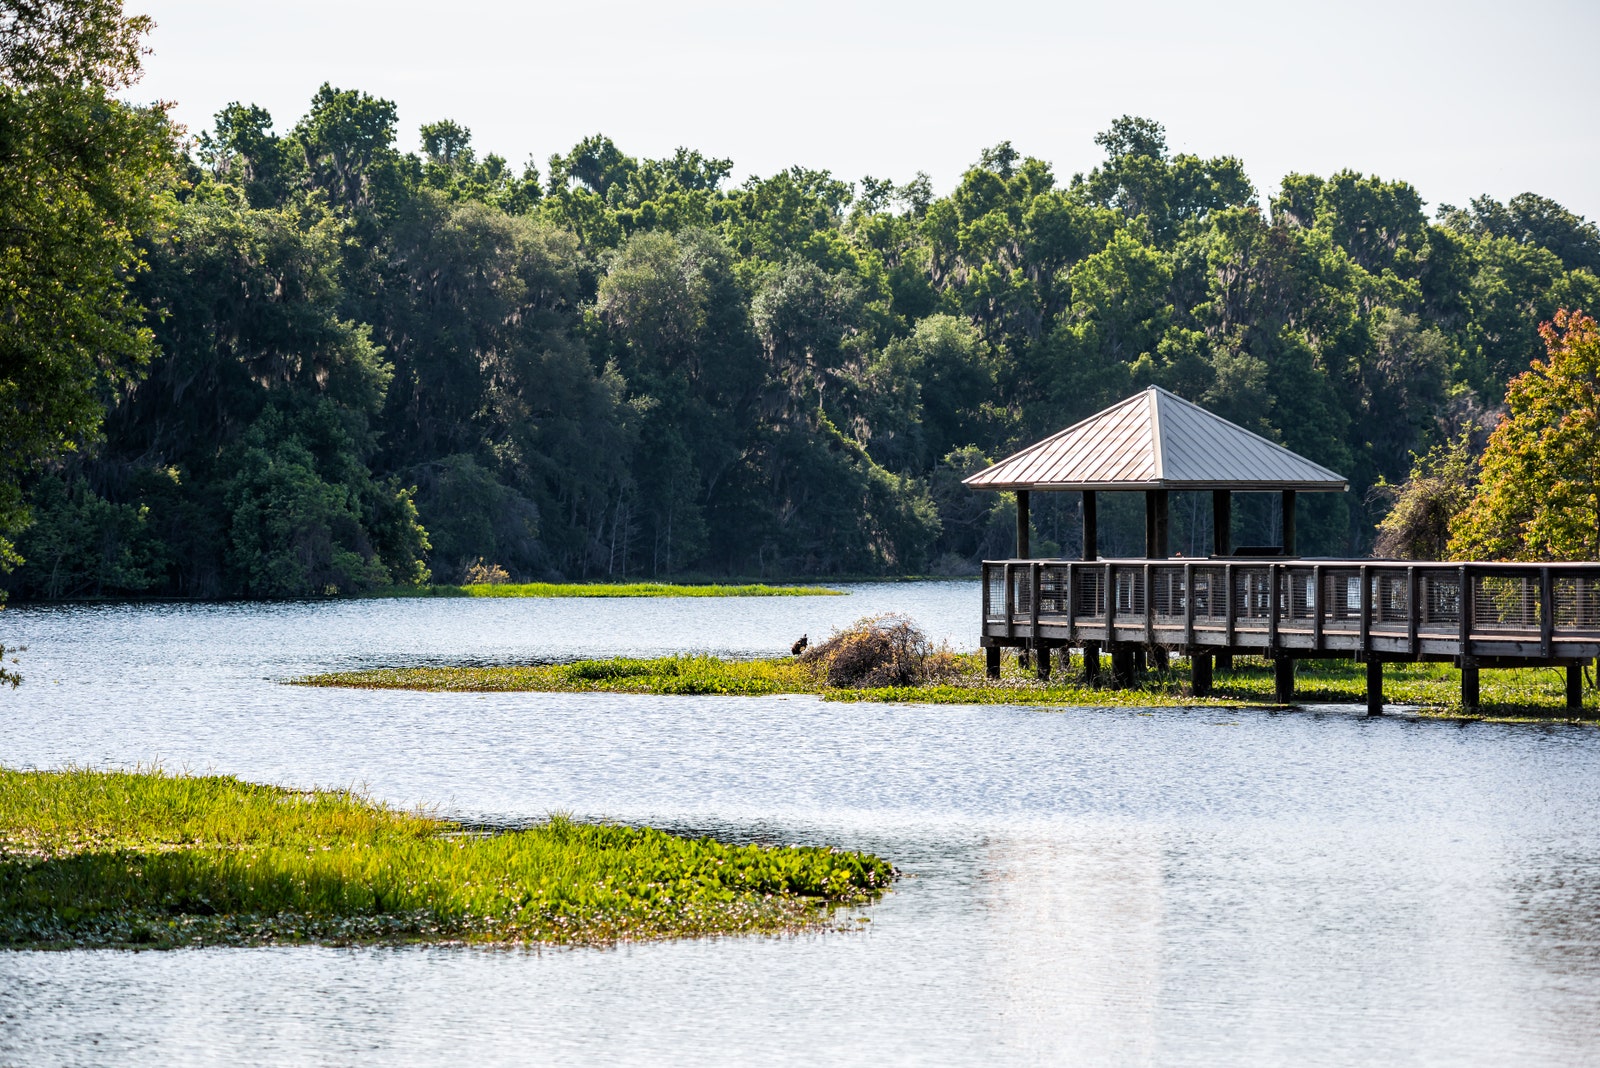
{"points": [[1089, 886]]}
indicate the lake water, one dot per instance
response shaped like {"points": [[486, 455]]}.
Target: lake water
{"points": [[1080, 887]]}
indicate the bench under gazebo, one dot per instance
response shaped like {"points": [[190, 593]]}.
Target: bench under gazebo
{"points": [[1255, 600]]}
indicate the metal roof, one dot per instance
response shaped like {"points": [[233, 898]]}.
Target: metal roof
{"points": [[1156, 440]]}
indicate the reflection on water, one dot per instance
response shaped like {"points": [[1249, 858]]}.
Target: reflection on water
{"points": [[1095, 887]]}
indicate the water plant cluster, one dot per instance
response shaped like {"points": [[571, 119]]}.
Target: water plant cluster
{"points": [[96, 858]]}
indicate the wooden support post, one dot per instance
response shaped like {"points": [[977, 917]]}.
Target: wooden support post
{"points": [[991, 661], [1274, 603], [1317, 599], [1574, 688], [1023, 525], [1200, 674], [1188, 608], [1413, 608], [1091, 527], [1023, 660], [1224, 661], [1288, 523], [1283, 678], [1547, 613], [1159, 658], [1374, 686], [1366, 613], [1470, 693], [1042, 663], [1221, 522], [1091, 663], [1155, 524], [1066, 659], [1122, 667], [1035, 572]]}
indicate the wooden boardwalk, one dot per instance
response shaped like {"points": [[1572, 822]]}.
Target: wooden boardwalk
{"points": [[1476, 615]]}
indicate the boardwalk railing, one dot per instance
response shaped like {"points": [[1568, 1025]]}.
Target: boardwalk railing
{"points": [[1403, 611]]}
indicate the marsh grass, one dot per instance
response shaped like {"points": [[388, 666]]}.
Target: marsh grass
{"points": [[599, 589], [1522, 693], [661, 675], [92, 858]]}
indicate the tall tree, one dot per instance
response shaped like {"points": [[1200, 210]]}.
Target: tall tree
{"points": [[79, 174], [1539, 495]]}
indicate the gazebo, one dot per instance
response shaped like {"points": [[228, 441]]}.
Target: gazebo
{"points": [[1262, 600], [1157, 442]]}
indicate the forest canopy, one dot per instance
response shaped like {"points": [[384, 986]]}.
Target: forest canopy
{"points": [[345, 366]]}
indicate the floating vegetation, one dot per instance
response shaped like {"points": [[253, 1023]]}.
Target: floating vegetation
{"points": [[602, 589], [959, 678], [665, 675], [142, 859]]}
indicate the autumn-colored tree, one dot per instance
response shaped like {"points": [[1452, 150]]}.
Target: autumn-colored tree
{"points": [[1539, 495]]}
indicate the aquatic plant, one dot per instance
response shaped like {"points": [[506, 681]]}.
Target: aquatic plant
{"points": [[91, 858], [491, 586], [959, 678]]}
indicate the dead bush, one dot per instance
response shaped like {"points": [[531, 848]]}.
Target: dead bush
{"points": [[885, 650], [482, 574]]}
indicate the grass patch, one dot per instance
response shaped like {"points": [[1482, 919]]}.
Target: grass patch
{"points": [[618, 589], [1434, 688], [661, 675], [136, 859]]}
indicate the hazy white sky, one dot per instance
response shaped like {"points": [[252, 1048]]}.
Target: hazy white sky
{"points": [[1458, 98]]}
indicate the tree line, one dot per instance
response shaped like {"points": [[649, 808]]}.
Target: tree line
{"points": [[275, 362]]}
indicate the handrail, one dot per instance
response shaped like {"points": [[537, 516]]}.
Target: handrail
{"points": [[1409, 609]]}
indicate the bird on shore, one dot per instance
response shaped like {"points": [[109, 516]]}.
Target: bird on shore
{"points": [[799, 647]]}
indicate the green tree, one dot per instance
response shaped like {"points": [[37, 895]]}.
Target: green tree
{"points": [[1539, 494], [1424, 506], [79, 178]]}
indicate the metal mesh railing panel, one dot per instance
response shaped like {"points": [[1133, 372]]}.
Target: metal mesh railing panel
{"points": [[1130, 596], [1577, 602], [1252, 595], [1505, 603], [994, 579], [1053, 588]]}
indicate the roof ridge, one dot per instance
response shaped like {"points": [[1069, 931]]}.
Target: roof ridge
{"points": [[1157, 448]]}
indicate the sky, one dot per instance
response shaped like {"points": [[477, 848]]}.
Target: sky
{"points": [[1459, 99]]}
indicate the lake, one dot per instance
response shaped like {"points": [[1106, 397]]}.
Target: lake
{"points": [[1115, 886]]}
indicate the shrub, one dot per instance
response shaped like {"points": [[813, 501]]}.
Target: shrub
{"points": [[482, 574], [885, 650]]}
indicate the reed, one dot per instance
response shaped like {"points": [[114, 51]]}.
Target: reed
{"points": [[92, 858]]}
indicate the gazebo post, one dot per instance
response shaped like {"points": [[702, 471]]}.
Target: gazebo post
{"points": [[1091, 527], [1155, 548], [1155, 524], [1221, 522], [1091, 551], [1023, 523], [1288, 523], [1222, 545], [1024, 552]]}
